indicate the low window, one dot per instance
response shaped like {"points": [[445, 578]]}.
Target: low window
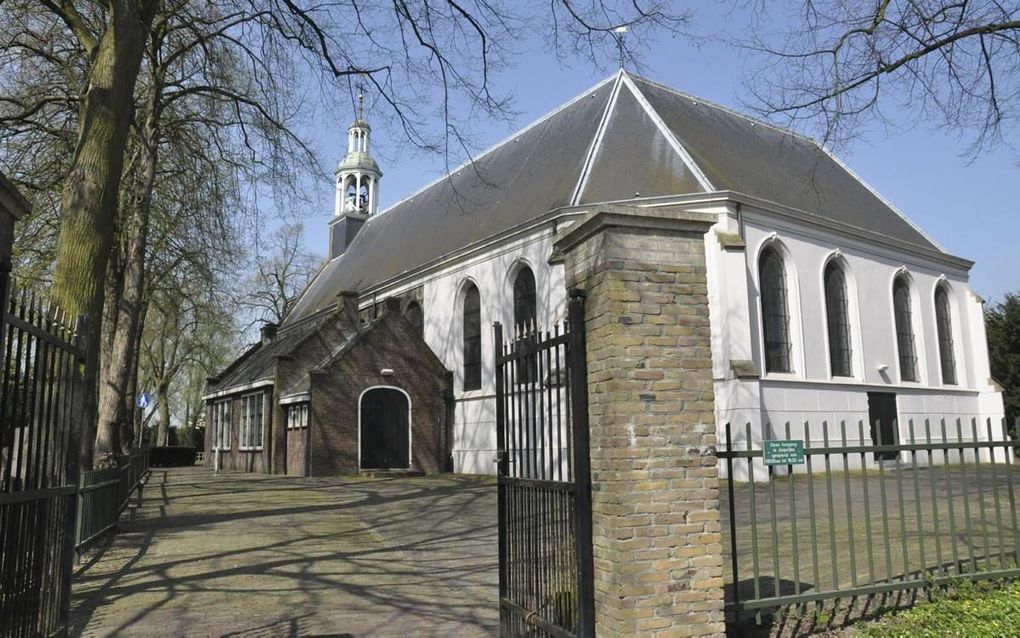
{"points": [[297, 416], [251, 422], [221, 425]]}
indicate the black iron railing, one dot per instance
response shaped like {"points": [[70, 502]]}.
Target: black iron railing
{"points": [[545, 550], [40, 408], [851, 516], [103, 495]]}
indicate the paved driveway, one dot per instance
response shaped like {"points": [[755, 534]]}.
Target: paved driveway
{"points": [[246, 555]]}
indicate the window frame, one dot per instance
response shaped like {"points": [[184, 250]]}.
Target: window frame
{"points": [[519, 296], [944, 335], [837, 320], [222, 408], [256, 399], [768, 306], [903, 324], [304, 414], [471, 344]]}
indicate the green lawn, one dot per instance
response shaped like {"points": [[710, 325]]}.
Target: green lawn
{"points": [[972, 610]]}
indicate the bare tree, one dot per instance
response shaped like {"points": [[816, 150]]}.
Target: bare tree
{"points": [[279, 277], [950, 63], [424, 62]]}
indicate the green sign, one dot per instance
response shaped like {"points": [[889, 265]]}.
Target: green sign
{"points": [[784, 452]]}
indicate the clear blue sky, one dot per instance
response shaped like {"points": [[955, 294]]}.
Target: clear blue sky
{"points": [[971, 207]]}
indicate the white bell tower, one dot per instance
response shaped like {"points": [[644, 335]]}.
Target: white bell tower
{"points": [[357, 175]]}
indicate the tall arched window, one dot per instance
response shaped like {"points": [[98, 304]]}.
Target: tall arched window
{"points": [[414, 316], [904, 329], [837, 318], [945, 328], [775, 315], [524, 299], [472, 338]]}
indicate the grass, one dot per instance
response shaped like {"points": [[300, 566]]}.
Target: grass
{"points": [[971, 609]]}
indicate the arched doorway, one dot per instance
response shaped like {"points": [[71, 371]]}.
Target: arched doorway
{"points": [[385, 429]]}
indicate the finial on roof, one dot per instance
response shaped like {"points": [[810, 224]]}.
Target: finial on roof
{"points": [[620, 31], [361, 104]]}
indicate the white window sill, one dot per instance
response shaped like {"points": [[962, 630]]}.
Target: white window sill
{"points": [[249, 449]]}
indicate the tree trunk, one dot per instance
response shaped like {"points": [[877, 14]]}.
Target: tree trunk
{"points": [[89, 202], [163, 402], [114, 420], [131, 395]]}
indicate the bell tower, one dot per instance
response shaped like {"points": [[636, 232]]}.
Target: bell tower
{"points": [[357, 186]]}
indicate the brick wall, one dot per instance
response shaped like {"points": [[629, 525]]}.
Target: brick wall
{"points": [[335, 392], [236, 460], [655, 504]]}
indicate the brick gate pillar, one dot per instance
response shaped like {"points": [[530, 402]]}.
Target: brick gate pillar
{"points": [[655, 486]]}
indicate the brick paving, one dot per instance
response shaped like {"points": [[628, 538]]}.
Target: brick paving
{"points": [[252, 555]]}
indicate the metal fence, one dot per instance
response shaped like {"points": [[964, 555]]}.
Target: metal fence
{"points": [[850, 517], [545, 544], [103, 495], [40, 404]]}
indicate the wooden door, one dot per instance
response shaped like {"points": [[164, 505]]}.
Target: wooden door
{"points": [[882, 418], [385, 429]]}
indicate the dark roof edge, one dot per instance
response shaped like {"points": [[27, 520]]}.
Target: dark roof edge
{"points": [[857, 232], [237, 389], [12, 200], [241, 358], [692, 198]]}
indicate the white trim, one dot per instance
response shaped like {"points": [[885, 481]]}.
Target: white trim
{"points": [[237, 389], [596, 143], [301, 397], [217, 423], [703, 180], [242, 418], [410, 429]]}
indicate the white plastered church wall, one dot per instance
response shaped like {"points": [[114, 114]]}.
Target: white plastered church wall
{"points": [[810, 393], [493, 272]]}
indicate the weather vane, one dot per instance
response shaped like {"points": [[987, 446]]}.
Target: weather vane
{"points": [[620, 31]]}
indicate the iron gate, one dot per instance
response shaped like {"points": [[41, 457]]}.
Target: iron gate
{"points": [[546, 584]]}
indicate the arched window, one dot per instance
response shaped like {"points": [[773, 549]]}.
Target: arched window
{"points": [[414, 316], [945, 328], [472, 338], [774, 311], [524, 300], [837, 318], [904, 329]]}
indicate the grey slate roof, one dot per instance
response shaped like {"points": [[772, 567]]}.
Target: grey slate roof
{"points": [[258, 363], [539, 169]]}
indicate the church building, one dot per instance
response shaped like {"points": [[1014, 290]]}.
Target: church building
{"points": [[827, 304]]}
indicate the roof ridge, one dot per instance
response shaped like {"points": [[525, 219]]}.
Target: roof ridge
{"points": [[727, 109], [671, 137], [503, 142], [596, 141]]}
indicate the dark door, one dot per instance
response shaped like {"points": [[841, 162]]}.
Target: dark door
{"points": [[385, 435], [882, 417]]}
